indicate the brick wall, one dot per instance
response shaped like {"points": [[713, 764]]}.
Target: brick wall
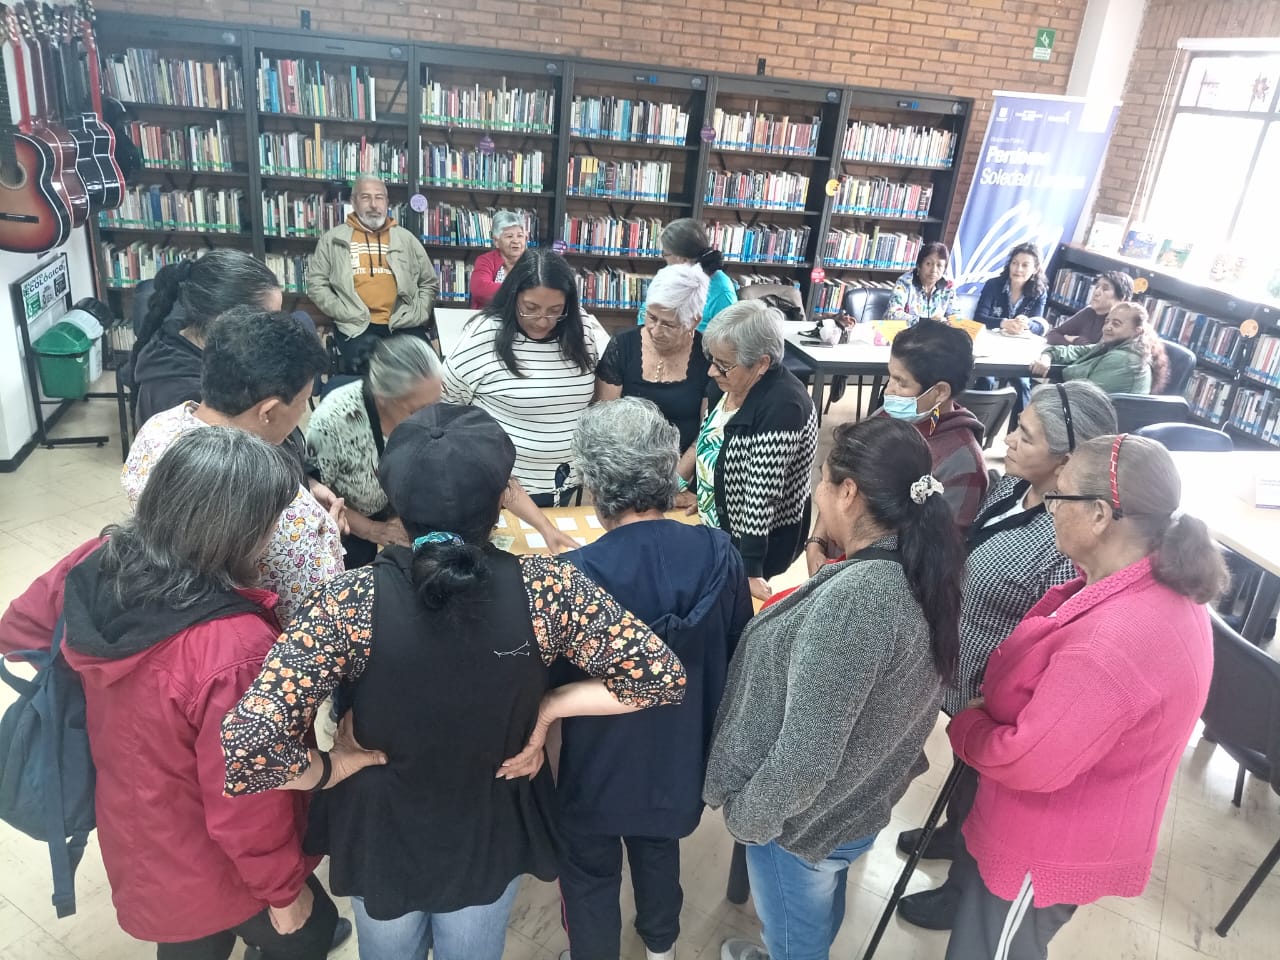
{"points": [[1165, 23], [966, 49]]}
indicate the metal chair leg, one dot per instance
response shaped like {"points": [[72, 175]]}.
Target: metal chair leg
{"points": [[1250, 888], [1235, 799], [739, 884]]}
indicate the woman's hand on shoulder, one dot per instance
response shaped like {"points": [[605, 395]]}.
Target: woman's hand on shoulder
{"points": [[760, 588]]}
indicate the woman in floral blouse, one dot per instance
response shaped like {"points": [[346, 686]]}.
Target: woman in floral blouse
{"points": [[445, 648], [924, 293]]}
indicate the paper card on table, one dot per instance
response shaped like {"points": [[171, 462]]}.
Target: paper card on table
{"points": [[502, 522], [1267, 492], [534, 540], [566, 523], [593, 522], [502, 542], [580, 541], [525, 526]]}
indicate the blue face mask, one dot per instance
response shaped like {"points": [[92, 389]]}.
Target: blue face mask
{"points": [[904, 408]]}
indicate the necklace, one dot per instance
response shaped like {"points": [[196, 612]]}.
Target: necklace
{"points": [[662, 367]]}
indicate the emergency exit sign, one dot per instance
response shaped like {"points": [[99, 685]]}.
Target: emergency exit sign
{"points": [[1044, 44]]}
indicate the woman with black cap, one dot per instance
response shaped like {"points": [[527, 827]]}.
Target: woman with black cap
{"points": [[445, 648]]}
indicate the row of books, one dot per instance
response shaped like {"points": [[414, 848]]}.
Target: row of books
{"points": [[636, 236], [612, 289], [193, 148], [1256, 412], [828, 296], [448, 166], [127, 265], [455, 280], [1207, 396], [202, 210], [289, 214], [756, 190], [878, 197], [290, 270], [628, 121], [887, 143], [748, 279], [765, 132], [303, 88], [443, 223], [1264, 363], [761, 243], [517, 109], [318, 157], [1072, 287], [143, 76], [623, 179], [874, 250], [1214, 340]]}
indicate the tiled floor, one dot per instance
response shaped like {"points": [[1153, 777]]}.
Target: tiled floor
{"points": [[1207, 850]]}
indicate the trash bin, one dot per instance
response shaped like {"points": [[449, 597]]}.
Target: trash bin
{"points": [[91, 327], [62, 357]]}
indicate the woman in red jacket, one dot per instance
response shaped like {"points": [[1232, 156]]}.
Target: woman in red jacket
{"points": [[510, 241], [1087, 706], [166, 633]]}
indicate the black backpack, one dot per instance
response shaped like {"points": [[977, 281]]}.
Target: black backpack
{"points": [[46, 771]]}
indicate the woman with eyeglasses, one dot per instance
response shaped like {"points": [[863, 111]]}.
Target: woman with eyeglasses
{"points": [[529, 360], [1087, 707], [1012, 562]]}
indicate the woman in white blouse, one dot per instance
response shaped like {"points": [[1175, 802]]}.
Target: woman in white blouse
{"points": [[528, 360]]}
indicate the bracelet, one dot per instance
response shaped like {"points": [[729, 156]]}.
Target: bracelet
{"points": [[327, 763], [682, 483], [820, 542]]}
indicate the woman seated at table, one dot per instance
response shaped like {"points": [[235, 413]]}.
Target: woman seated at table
{"points": [[834, 689], [509, 244], [1087, 706], [749, 470], [443, 650], [1109, 288], [924, 293], [685, 241], [529, 360], [1014, 302], [638, 780], [662, 361], [1129, 359], [1012, 562]]}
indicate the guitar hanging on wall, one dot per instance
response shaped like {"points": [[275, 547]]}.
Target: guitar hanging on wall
{"points": [[82, 105]]}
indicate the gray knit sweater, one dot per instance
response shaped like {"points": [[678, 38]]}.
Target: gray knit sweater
{"points": [[830, 697]]}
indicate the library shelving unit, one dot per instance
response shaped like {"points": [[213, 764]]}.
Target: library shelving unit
{"points": [[253, 136], [1236, 384]]}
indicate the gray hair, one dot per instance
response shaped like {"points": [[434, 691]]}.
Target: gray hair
{"points": [[200, 522], [399, 363], [627, 453], [505, 220], [751, 329], [1092, 414], [681, 287], [367, 178]]}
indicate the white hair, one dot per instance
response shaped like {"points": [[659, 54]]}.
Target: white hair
{"points": [[681, 287]]}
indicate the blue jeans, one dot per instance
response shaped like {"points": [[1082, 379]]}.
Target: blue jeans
{"points": [[472, 933], [800, 905]]}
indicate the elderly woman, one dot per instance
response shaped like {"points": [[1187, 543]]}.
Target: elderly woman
{"points": [[662, 361], [834, 689], [638, 781], [685, 241], [529, 361], [1012, 563], [1109, 288], [166, 626], [1128, 359], [924, 293], [509, 244], [1087, 706], [749, 470], [443, 650]]}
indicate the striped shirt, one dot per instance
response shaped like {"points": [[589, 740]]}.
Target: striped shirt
{"points": [[539, 411]]}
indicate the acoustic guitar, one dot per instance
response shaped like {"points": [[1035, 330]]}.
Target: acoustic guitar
{"points": [[32, 217], [87, 103]]}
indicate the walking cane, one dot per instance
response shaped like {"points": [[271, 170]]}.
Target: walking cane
{"points": [[931, 824]]}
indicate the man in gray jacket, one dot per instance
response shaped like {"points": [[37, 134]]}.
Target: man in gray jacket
{"points": [[370, 276]]}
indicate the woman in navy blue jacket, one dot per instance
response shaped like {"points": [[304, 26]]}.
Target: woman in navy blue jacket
{"points": [[1014, 301]]}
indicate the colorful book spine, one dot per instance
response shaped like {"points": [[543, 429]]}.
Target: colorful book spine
{"points": [[193, 149], [486, 108], [302, 88], [623, 180], [290, 270], [446, 225], [143, 76], [611, 289], [287, 214], [760, 243], [295, 154], [127, 265], [448, 166], [201, 210], [879, 197], [918, 146], [628, 121], [766, 133], [612, 236], [455, 279], [873, 250], [756, 190]]}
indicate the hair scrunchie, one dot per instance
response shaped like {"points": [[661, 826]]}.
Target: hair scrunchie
{"points": [[925, 487], [435, 536]]}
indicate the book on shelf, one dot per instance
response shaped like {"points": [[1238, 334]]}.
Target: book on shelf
{"points": [[1072, 287], [317, 157], [290, 270], [628, 121], [879, 197], [1256, 412], [1207, 396], [194, 148], [127, 265], [1214, 340], [871, 250], [308, 88], [622, 179], [201, 210], [143, 76], [1264, 362], [288, 214], [750, 279], [903, 143], [485, 108], [756, 190], [455, 280], [759, 243], [617, 236], [443, 223], [612, 289], [447, 166], [767, 133], [829, 294]]}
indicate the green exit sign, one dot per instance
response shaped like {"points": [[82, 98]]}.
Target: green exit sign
{"points": [[1044, 44]]}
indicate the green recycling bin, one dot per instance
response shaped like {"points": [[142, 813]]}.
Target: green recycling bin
{"points": [[62, 356]]}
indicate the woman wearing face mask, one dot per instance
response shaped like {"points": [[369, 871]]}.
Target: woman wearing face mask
{"points": [[1129, 359], [924, 293], [1109, 288]]}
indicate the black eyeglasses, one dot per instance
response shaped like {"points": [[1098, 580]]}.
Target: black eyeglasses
{"points": [[723, 368], [1066, 417], [1056, 497]]}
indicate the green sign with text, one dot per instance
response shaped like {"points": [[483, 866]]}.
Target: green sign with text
{"points": [[1044, 44]]}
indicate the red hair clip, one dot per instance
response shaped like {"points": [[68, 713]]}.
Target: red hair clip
{"points": [[1115, 476]]}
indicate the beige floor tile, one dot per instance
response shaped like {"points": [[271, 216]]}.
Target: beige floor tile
{"points": [[1196, 901], [1096, 933], [36, 946], [14, 925]]}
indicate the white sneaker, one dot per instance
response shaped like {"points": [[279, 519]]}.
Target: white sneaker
{"points": [[741, 950], [664, 955]]}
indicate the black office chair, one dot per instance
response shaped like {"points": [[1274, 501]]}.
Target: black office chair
{"points": [[861, 305], [1137, 410], [1187, 437], [991, 407], [1181, 364], [1242, 716]]}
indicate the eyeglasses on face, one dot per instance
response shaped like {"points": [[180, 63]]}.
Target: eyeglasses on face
{"points": [[1053, 497], [541, 314], [724, 368]]}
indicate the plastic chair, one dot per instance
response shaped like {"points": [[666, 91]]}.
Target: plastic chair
{"points": [[1187, 437], [1242, 716], [1137, 410], [449, 324], [991, 407], [1182, 362]]}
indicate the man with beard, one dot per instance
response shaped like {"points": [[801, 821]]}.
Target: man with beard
{"points": [[371, 276]]}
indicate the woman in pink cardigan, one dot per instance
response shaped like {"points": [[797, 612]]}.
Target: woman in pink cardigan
{"points": [[1087, 706]]}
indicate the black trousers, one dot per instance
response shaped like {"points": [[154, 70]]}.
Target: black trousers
{"points": [[958, 807], [311, 942], [591, 881], [355, 350]]}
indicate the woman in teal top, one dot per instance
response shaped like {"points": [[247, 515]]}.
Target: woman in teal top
{"points": [[685, 241]]}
